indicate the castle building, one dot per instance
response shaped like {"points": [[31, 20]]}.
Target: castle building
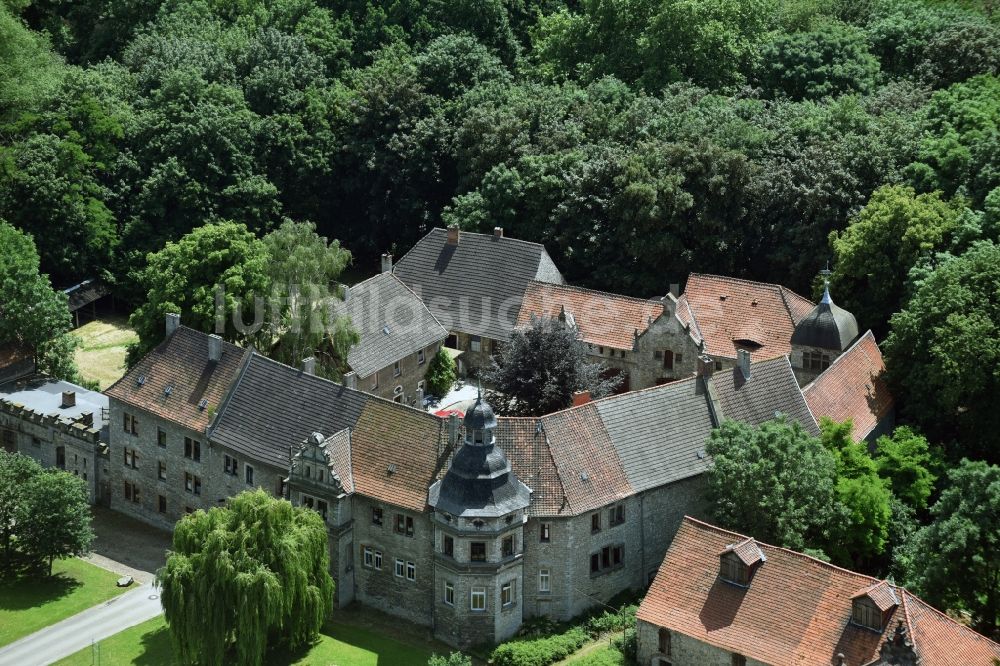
{"points": [[447, 269], [467, 527]]}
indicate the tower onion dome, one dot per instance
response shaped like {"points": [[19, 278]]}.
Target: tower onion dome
{"points": [[828, 326], [479, 482]]}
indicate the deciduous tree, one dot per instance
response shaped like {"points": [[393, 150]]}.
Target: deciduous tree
{"points": [[541, 367], [246, 577]]}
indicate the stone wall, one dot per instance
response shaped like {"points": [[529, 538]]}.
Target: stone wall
{"points": [[662, 510], [412, 373], [684, 650], [382, 589], [145, 474], [40, 436], [470, 362]]}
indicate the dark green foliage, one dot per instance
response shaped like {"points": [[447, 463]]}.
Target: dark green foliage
{"points": [[906, 461], [33, 316], [539, 651], [775, 482], [895, 230], [952, 562], [207, 277], [244, 578], [831, 60], [942, 351], [441, 373], [540, 368], [44, 515]]}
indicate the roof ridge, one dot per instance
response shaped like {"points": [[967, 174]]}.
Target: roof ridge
{"points": [[572, 287], [835, 361], [617, 396], [700, 524], [365, 394], [904, 592]]}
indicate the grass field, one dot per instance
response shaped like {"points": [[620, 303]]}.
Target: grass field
{"points": [[597, 654], [28, 605], [148, 644], [101, 357]]}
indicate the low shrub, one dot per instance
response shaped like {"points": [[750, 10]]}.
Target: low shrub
{"points": [[609, 621], [539, 651]]}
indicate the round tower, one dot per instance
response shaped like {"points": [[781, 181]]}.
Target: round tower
{"points": [[820, 337], [479, 511]]}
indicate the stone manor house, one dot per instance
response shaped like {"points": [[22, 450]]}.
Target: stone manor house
{"points": [[467, 526], [470, 525]]}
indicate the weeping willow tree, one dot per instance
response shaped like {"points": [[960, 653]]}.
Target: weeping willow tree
{"points": [[245, 577]]}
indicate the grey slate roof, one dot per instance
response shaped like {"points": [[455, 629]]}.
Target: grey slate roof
{"points": [[273, 407], [44, 395], [772, 388], [659, 432], [828, 326], [391, 322], [338, 447], [477, 286]]}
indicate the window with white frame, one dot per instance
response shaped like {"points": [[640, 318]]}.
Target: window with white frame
{"points": [[507, 594], [449, 593], [411, 571], [397, 394], [477, 600], [543, 580], [395, 369], [420, 356], [475, 343], [231, 466], [398, 570], [378, 560]]}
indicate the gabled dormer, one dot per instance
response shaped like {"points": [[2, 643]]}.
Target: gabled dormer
{"points": [[872, 607], [739, 561]]}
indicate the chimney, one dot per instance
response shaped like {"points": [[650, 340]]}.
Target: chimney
{"points": [[386, 262], [453, 234], [706, 366], [351, 380], [675, 290], [497, 232], [173, 321], [214, 348], [452, 429], [420, 398], [68, 399], [87, 419], [309, 365], [581, 398], [743, 359]]}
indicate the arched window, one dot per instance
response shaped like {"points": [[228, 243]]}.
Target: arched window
{"points": [[664, 641]]}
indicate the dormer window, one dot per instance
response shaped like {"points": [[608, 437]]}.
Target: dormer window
{"points": [[739, 561], [871, 607]]}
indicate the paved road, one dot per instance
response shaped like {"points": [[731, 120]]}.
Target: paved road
{"points": [[77, 632]]}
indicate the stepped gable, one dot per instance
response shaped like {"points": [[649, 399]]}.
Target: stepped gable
{"points": [[730, 313], [181, 364]]}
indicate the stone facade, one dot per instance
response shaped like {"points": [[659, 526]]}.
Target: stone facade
{"points": [[679, 650], [71, 445], [401, 381], [477, 351]]}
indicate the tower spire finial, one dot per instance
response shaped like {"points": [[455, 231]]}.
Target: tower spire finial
{"points": [[826, 272]]}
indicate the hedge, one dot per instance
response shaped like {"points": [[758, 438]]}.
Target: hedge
{"points": [[539, 651]]}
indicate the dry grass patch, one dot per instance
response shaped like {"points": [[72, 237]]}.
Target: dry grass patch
{"points": [[101, 356]]}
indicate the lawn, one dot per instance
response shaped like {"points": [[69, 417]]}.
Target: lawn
{"points": [[600, 654], [101, 356], [148, 644], [28, 605]]}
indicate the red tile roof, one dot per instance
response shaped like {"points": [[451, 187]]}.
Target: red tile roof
{"points": [[853, 387], [725, 311], [395, 453], [882, 595], [747, 550], [796, 610], [181, 363], [610, 320]]}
